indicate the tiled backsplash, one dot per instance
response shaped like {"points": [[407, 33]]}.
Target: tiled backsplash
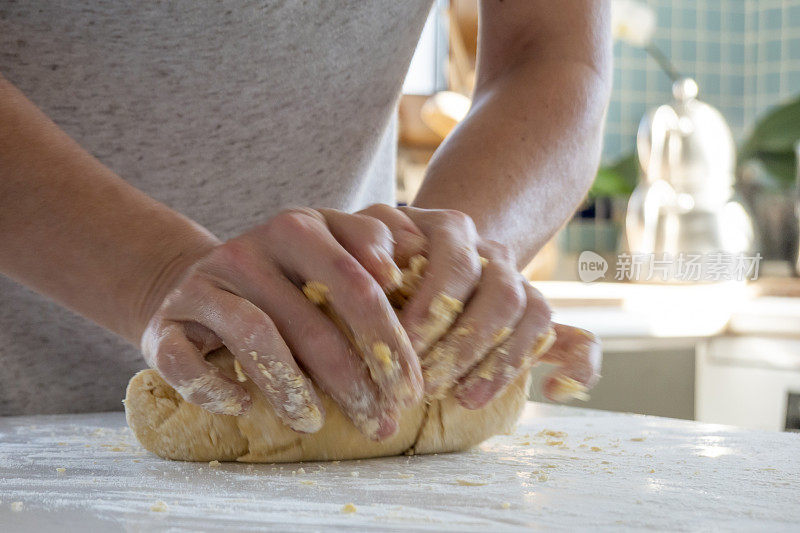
{"points": [[744, 54]]}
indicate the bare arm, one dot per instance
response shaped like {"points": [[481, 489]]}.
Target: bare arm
{"points": [[522, 160], [74, 231]]}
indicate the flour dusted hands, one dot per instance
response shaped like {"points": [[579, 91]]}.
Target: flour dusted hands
{"points": [[247, 294], [474, 320], [304, 296]]}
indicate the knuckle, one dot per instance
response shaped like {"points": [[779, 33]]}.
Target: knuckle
{"points": [[375, 230], [234, 253], [499, 252], [536, 301], [458, 219], [293, 222], [376, 209], [465, 262], [511, 294], [358, 280]]}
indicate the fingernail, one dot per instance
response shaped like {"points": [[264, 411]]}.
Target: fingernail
{"points": [[391, 277], [377, 428], [565, 388], [309, 421], [387, 426], [544, 342], [477, 395]]}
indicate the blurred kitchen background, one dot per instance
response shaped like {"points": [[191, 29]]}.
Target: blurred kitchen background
{"points": [[700, 157]]}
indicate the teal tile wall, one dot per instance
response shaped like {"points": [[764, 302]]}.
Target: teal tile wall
{"points": [[744, 54]]}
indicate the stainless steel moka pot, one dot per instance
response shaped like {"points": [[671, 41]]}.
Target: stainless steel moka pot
{"points": [[683, 202]]}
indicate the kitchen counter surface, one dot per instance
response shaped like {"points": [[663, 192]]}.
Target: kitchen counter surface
{"points": [[564, 468], [677, 315]]}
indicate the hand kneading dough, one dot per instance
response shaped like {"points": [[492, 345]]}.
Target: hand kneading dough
{"points": [[168, 426]]}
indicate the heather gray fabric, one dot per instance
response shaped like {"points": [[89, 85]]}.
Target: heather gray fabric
{"points": [[226, 111]]}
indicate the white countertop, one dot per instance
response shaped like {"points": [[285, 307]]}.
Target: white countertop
{"points": [[618, 311], [679, 476]]}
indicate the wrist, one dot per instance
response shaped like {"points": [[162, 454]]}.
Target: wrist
{"points": [[166, 269]]}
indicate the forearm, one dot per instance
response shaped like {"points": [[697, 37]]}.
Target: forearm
{"points": [[74, 231], [526, 154]]}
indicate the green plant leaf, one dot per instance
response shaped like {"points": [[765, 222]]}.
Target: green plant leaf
{"points": [[780, 165], [776, 132], [617, 179], [772, 143]]}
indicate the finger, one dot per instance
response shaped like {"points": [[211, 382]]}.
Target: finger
{"points": [[533, 336], [319, 347], [578, 353], [450, 278], [333, 279], [369, 241], [488, 320], [409, 241], [261, 353], [166, 348]]}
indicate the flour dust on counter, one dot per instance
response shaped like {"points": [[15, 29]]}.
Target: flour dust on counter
{"points": [[564, 468]]}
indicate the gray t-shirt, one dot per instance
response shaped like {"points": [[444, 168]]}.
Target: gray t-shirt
{"points": [[225, 111]]}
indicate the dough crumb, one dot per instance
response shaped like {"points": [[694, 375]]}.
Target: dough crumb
{"points": [[354, 474], [301, 470], [638, 439], [652, 471], [405, 476], [237, 367], [543, 477], [316, 291], [17, 506], [551, 433], [159, 507], [596, 449], [61, 470], [505, 505], [442, 312], [567, 388], [555, 443], [502, 334], [307, 482], [349, 508], [214, 463], [468, 483], [383, 354]]}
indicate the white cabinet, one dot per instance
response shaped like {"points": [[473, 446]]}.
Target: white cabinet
{"points": [[747, 381]]}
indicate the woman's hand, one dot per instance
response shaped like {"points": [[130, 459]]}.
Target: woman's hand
{"points": [[475, 322], [248, 294]]}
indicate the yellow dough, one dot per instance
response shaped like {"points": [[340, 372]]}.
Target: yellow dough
{"points": [[172, 428]]}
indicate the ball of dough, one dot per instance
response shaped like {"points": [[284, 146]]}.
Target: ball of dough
{"points": [[167, 425]]}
